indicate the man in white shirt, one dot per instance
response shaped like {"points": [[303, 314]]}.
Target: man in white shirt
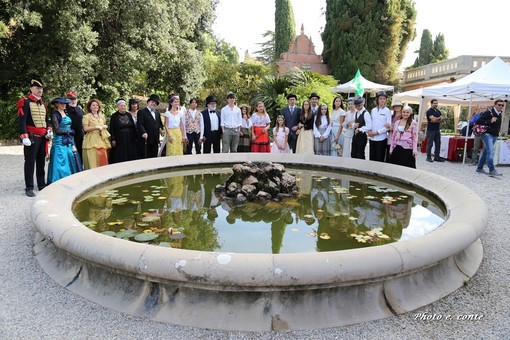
{"points": [[362, 124], [381, 118], [231, 119]]}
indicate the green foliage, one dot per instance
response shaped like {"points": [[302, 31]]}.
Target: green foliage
{"points": [[274, 89], [439, 52], [266, 53], [425, 53], [106, 49], [243, 79], [8, 120], [285, 27], [368, 35]]}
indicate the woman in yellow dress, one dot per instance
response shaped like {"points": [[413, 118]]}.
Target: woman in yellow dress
{"points": [[96, 142], [174, 125]]}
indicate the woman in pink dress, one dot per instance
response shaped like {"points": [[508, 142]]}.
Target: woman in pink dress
{"points": [[404, 140]]}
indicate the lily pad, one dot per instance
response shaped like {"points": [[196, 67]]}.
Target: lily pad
{"points": [[165, 244], [324, 236], [150, 218], [144, 237], [109, 233], [126, 233]]}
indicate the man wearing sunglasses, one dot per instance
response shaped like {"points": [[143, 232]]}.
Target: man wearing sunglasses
{"points": [[492, 119]]}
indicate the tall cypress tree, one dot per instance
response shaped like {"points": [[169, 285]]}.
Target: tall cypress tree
{"points": [[439, 51], [285, 27], [370, 35], [425, 53]]}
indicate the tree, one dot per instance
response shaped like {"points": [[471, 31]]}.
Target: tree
{"points": [[285, 27], [266, 53], [439, 51], [98, 48], [425, 53], [369, 35]]}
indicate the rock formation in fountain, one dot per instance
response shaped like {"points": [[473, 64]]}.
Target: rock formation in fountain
{"points": [[258, 182]]}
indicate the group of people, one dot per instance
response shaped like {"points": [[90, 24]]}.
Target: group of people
{"points": [[85, 140]]}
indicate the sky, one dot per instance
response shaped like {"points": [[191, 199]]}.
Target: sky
{"points": [[470, 27]]}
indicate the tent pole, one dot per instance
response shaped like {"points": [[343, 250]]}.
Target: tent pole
{"points": [[467, 130]]}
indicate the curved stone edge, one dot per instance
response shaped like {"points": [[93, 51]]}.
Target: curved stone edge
{"points": [[264, 274]]}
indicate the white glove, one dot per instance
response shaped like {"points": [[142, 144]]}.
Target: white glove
{"points": [[26, 142], [100, 127], [49, 134]]}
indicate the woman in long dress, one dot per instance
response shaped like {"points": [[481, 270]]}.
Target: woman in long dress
{"points": [[281, 135], [96, 143], [348, 128], [337, 119], [304, 142], [140, 142], [174, 126], [245, 135], [124, 135], [322, 132], [64, 158], [260, 129]]}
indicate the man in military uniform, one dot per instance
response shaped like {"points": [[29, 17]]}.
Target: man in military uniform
{"points": [[34, 129]]}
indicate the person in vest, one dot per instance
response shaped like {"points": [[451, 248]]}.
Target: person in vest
{"points": [[76, 114], [362, 124], [381, 121], [35, 131], [194, 127], [150, 126]]}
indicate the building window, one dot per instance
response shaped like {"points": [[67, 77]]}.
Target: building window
{"points": [[475, 63]]}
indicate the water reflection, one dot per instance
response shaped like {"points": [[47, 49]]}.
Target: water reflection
{"points": [[184, 212]]}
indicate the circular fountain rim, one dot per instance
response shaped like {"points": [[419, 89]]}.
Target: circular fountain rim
{"points": [[465, 222]]}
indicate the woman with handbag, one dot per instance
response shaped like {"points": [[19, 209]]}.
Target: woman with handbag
{"points": [[96, 143], [64, 159]]}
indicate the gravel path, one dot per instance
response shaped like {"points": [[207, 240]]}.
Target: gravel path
{"points": [[33, 306]]}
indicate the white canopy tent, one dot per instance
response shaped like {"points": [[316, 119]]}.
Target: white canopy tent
{"points": [[488, 83], [368, 86]]}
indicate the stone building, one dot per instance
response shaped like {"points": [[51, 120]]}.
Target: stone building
{"points": [[444, 71], [301, 54]]}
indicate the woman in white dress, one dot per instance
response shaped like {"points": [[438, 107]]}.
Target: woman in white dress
{"points": [[348, 128], [337, 119]]}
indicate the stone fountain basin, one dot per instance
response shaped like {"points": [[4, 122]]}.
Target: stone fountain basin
{"points": [[258, 292]]}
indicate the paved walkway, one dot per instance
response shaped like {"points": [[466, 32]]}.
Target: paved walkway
{"points": [[33, 306]]}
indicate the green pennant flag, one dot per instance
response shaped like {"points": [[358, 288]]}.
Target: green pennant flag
{"points": [[357, 82]]}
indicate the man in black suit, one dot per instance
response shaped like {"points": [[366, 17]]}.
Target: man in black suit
{"points": [[212, 127], [150, 126], [291, 113]]}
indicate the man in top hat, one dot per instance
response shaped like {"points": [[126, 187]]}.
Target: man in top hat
{"points": [[35, 131], [150, 127], [314, 103], [76, 114], [212, 126], [231, 121], [381, 119], [362, 125], [291, 113]]}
